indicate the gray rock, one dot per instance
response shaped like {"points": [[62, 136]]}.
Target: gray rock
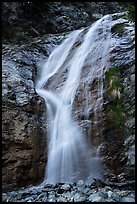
{"points": [[97, 15], [95, 197], [122, 193], [107, 188], [127, 199], [4, 197], [34, 196], [41, 197], [79, 197], [86, 190], [29, 199], [67, 196], [109, 194], [131, 155], [129, 140], [132, 79], [22, 98], [62, 199], [39, 190], [101, 200], [81, 189], [92, 191], [80, 183], [33, 191], [116, 197], [51, 197], [65, 187], [130, 122]]}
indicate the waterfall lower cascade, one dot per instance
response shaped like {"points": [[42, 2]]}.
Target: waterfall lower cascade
{"points": [[69, 157]]}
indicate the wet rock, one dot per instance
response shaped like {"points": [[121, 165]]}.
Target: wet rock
{"points": [[4, 197], [86, 191], [130, 123], [127, 99], [39, 191], [61, 199], [129, 141], [130, 150], [41, 197], [115, 197], [109, 194], [79, 197], [91, 191], [95, 197], [29, 199], [132, 79], [80, 183], [107, 188], [65, 187], [51, 197], [131, 155]]}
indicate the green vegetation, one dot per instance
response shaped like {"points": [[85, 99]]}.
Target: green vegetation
{"points": [[9, 86], [113, 76], [130, 6], [118, 29], [116, 110]]}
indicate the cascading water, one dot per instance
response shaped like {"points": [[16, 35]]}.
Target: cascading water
{"points": [[69, 156]]}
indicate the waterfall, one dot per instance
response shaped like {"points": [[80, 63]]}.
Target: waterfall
{"points": [[81, 57]]}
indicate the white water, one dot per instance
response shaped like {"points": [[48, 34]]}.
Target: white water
{"points": [[69, 156]]}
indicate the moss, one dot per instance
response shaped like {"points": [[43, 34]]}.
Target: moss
{"points": [[113, 81], [9, 86], [119, 29], [130, 6], [113, 71], [115, 109]]}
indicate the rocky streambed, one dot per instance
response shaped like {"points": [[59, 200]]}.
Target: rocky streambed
{"points": [[98, 191]]}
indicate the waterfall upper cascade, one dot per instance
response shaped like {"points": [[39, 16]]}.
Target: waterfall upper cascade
{"points": [[69, 156]]}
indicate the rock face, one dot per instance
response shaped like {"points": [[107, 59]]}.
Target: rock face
{"points": [[66, 16], [119, 106], [23, 123], [112, 129], [20, 122]]}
